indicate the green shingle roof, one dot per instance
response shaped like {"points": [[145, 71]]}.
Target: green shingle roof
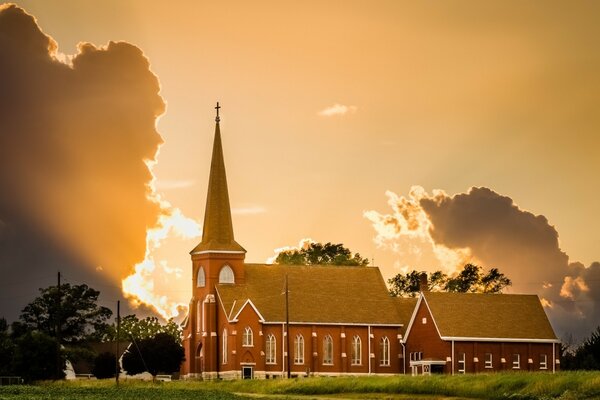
{"points": [[476, 315], [317, 294]]}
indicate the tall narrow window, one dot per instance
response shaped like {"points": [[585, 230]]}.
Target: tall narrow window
{"points": [[224, 338], [462, 357], [488, 360], [299, 349], [226, 275], [356, 358], [384, 357], [247, 337], [201, 278], [328, 350], [516, 361], [543, 361], [198, 315], [270, 350]]}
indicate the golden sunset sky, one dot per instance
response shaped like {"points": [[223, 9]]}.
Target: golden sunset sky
{"points": [[328, 105]]}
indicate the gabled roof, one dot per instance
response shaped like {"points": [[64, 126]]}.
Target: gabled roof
{"points": [[317, 294], [217, 233], [405, 307], [477, 316]]}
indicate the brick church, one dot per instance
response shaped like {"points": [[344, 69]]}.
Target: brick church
{"points": [[266, 321]]}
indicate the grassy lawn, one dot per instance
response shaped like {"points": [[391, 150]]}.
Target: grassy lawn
{"points": [[526, 386]]}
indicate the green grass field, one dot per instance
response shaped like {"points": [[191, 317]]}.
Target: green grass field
{"points": [[564, 386]]}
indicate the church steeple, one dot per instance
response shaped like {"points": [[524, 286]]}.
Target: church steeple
{"points": [[217, 234]]}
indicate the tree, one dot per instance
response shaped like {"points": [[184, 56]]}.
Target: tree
{"points": [[161, 353], [7, 350], [470, 279], [321, 254], [587, 355], [104, 365], [36, 357], [74, 307], [134, 328]]}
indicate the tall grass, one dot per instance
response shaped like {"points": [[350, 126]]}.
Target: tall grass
{"points": [[500, 386], [564, 385]]}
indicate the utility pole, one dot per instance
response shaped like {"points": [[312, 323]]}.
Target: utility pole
{"points": [[287, 327], [58, 329], [117, 366]]}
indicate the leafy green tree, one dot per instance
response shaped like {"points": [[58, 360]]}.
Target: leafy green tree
{"points": [[36, 357], [470, 279], [74, 307], [7, 350], [159, 354], [134, 328], [321, 254]]}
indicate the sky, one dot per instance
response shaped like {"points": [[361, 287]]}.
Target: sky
{"points": [[422, 135]]}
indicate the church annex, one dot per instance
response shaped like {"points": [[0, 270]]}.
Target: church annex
{"points": [[267, 321]]}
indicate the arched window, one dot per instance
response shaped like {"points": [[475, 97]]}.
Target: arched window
{"points": [[247, 337], [201, 278], [226, 275], [224, 338], [356, 350], [328, 350], [299, 349], [270, 350], [384, 347]]}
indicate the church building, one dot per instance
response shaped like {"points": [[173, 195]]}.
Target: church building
{"points": [[266, 321]]}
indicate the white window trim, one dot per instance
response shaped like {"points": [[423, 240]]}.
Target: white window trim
{"points": [[385, 352], [248, 337], [271, 348], [544, 363], [462, 359], [356, 351], [226, 274], [201, 274], [299, 350], [327, 356], [198, 316], [516, 364], [224, 338], [489, 363]]}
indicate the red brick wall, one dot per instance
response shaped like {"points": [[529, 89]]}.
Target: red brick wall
{"points": [[424, 338]]}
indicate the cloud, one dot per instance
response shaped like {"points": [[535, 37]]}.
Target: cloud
{"points": [[174, 184], [337, 109], [77, 141], [487, 228]]}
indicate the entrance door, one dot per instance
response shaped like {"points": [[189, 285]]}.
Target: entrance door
{"points": [[247, 372]]}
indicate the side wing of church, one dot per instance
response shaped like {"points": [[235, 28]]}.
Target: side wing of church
{"points": [[267, 321]]}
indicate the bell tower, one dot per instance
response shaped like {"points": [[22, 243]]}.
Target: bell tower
{"points": [[217, 259]]}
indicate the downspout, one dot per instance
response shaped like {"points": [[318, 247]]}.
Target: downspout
{"points": [[553, 358], [369, 355], [453, 357], [403, 357]]}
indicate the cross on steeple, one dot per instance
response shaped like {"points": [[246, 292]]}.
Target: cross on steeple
{"points": [[217, 108]]}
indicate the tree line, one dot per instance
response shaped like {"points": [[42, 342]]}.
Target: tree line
{"points": [[64, 322]]}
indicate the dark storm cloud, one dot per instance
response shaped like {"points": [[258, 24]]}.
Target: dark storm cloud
{"points": [[522, 245], [74, 141]]}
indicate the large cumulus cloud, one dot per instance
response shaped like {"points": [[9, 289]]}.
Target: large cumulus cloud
{"points": [[485, 227], [76, 138]]}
